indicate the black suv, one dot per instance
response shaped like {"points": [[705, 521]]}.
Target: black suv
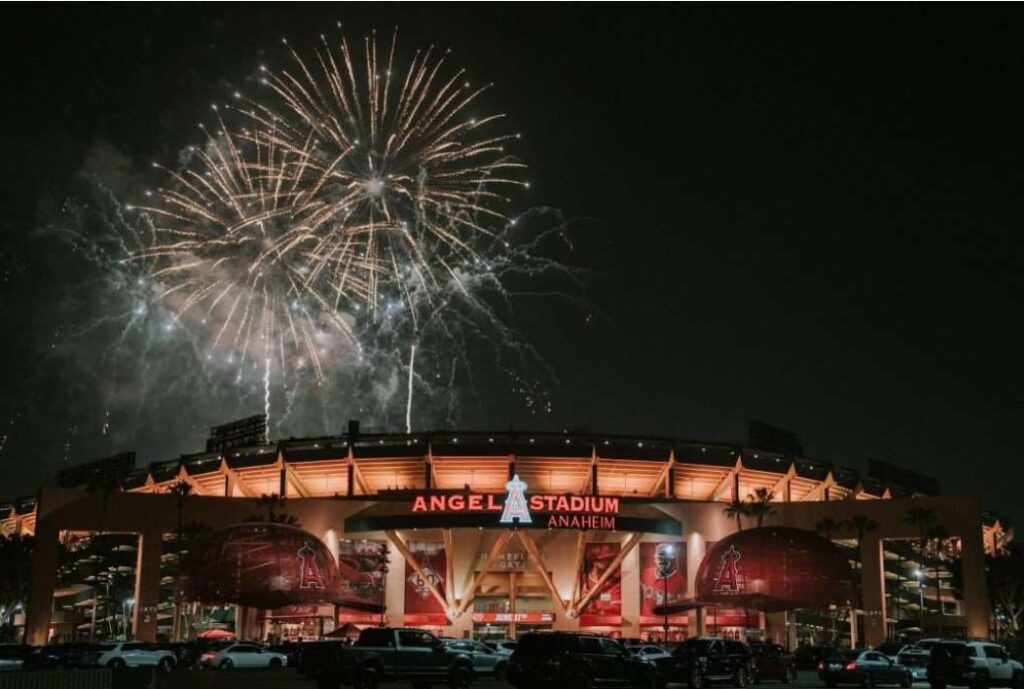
{"points": [[576, 661], [698, 662]]}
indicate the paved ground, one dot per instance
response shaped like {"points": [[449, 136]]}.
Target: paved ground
{"points": [[289, 679]]}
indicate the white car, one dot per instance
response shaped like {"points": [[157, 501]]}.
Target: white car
{"points": [[648, 653], [243, 656], [135, 654], [505, 647]]}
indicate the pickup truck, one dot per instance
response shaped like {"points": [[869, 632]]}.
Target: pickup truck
{"points": [[384, 654]]}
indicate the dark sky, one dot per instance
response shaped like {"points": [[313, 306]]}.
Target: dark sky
{"points": [[805, 215]]}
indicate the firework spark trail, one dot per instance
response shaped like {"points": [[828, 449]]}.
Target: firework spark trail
{"points": [[333, 234], [408, 399]]}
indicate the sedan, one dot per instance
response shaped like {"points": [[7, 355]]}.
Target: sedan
{"points": [[648, 653], [243, 656], [865, 668], [485, 660]]}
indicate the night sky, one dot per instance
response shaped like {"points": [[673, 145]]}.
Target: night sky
{"points": [[805, 215]]}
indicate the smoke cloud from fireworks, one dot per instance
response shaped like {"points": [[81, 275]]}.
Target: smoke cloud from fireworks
{"points": [[340, 245]]}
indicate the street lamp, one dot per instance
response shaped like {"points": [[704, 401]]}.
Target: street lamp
{"points": [[920, 597], [669, 551], [127, 609]]}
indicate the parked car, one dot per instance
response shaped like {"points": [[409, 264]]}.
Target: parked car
{"points": [[313, 654], [915, 656], [505, 647], [289, 649], [386, 654], [891, 649], [135, 654], [243, 656], [975, 664], [649, 653], [701, 661], [772, 661], [192, 651], [12, 656], [809, 657], [69, 655], [864, 668], [565, 659], [485, 660]]}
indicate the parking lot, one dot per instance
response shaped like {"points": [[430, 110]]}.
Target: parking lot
{"points": [[289, 679]]}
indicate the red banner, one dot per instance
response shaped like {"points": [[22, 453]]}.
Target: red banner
{"points": [[727, 616], [421, 607], [662, 567], [361, 564], [605, 608]]}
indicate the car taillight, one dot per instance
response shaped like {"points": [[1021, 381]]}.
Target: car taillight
{"points": [[821, 664], [207, 656], [851, 666]]}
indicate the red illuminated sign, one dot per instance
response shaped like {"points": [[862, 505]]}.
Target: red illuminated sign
{"points": [[520, 617], [562, 511]]}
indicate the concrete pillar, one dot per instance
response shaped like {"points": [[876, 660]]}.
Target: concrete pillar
{"points": [[630, 570], [394, 588], [333, 543], [694, 556], [44, 577], [872, 578], [976, 613], [775, 628], [147, 586]]}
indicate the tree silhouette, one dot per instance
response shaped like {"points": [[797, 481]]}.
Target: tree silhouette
{"points": [[759, 504], [180, 490], [938, 534], [272, 503], [736, 510], [827, 527]]}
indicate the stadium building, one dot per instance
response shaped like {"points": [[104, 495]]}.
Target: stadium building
{"points": [[493, 534]]}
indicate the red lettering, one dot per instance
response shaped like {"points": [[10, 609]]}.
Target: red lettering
{"points": [[457, 502], [550, 500], [611, 505], [563, 504], [419, 504], [492, 504], [437, 502], [476, 502], [577, 504], [537, 503]]}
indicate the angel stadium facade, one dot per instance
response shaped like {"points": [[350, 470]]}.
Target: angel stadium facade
{"points": [[493, 534]]}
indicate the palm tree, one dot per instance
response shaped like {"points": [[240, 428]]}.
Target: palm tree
{"points": [[759, 504], [736, 510], [827, 526], [860, 524], [271, 502]]}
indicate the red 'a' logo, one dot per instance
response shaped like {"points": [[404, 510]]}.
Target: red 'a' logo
{"points": [[729, 579], [309, 568], [516, 509]]}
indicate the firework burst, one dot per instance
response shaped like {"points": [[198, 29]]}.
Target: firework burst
{"points": [[350, 186]]}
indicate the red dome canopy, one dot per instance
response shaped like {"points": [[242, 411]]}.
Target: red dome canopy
{"points": [[262, 565], [775, 568]]}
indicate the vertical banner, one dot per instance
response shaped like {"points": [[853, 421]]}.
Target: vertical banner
{"points": [[605, 608], [361, 564], [421, 607], [662, 566]]}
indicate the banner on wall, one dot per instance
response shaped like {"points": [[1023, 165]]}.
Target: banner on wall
{"points": [[361, 565], [421, 607], [662, 566], [605, 608]]}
